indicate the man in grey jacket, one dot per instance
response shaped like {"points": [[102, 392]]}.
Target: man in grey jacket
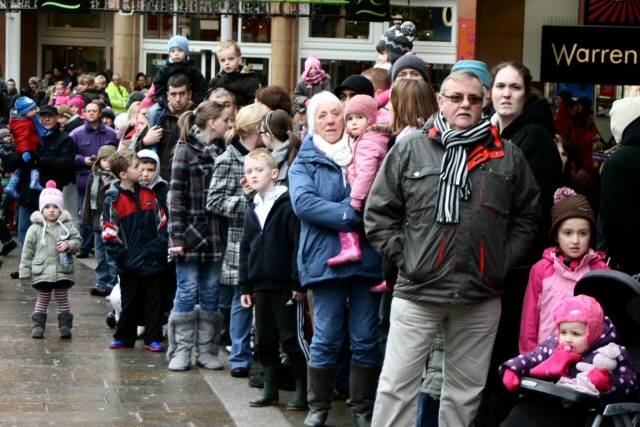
{"points": [[455, 207]]}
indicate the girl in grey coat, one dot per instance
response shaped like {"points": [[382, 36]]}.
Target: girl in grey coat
{"points": [[46, 259]]}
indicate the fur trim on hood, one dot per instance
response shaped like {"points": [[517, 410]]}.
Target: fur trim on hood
{"points": [[38, 218]]}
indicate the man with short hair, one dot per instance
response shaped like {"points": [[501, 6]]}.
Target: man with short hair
{"points": [[455, 207], [88, 139], [165, 135]]}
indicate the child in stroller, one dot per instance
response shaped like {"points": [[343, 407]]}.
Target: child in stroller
{"points": [[585, 353]]}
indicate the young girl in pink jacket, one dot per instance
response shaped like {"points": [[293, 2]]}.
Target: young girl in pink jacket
{"points": [[369, 146], [553, 278]]}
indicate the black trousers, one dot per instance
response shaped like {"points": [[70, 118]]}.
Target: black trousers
{"points": [[142, 298], [279, 324], [538, 411]]}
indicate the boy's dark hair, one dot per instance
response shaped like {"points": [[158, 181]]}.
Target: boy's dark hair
{"points": [[179, 80], [274, 97], [120, 162]]}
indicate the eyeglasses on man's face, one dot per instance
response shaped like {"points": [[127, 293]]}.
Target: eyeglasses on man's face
{"points": [[459, 98]]}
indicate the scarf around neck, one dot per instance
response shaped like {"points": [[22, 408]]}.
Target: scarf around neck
{"points": [[454, 175], [317, 79], [100, 179], [339, 153]]}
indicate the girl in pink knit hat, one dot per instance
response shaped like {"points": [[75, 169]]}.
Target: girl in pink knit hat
{"points": [[369, 146], [312, 81], [584, 353]]}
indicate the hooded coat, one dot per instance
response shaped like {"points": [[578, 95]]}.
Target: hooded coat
{"points": [[39, 260], [158, 184], [87, 143], [618, 225], [550, 282]]}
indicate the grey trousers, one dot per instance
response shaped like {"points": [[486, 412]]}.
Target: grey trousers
{"points": [[468, 331]]}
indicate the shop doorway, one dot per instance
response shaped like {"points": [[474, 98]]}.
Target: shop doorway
{"points": [[90, 59]]}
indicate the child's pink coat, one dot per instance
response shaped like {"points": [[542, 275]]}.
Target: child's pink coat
{"points": [[550, 282], [369, 151]]}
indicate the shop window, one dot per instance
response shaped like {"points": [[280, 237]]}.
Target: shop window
{"points": [[326, 22], [340, 69], [433, 24], [158, 26], [256, 30], [205, 28], [260, 66], [75, 20]]}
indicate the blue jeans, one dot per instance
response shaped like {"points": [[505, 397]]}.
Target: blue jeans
{"points": [[156, 115], [85, 232], [106, 269], [240, 332], [225, 297], [329, 300], [24, 220], [428, 409], [197, 283]]}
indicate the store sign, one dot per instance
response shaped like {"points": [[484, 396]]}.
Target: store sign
{"points": [[585, 54], [63, 5], [611, 12]]}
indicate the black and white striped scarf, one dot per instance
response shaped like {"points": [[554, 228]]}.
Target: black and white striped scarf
{"points": [[454, 176]]}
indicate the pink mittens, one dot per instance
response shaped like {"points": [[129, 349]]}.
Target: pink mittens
{"points": [[557, 365]]}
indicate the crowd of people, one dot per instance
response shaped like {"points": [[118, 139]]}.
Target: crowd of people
{"points": [[397, 244]]}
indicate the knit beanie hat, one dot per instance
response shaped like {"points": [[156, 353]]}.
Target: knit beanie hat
{"points": [[311, 61], [77, 101], [477, 68], [24, 104], [64, 110], [357, 83], [569, 204], [180, 42], [583, 309], [622, 113], [50, 196], [4, 132], [412, 61], [398, 40], [104, 152], [363, 105]]}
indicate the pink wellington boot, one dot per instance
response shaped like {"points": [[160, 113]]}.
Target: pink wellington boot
{"points": [[350, 249], [381, 287]]}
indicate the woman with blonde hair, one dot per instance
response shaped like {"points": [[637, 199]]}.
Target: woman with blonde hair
{"points": [[227, 198], [195, 239]]}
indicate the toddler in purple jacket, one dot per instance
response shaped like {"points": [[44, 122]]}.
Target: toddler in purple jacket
{"points": [[584, 336]]}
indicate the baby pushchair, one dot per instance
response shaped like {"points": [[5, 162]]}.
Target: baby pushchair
{"points": [[619, 296]]}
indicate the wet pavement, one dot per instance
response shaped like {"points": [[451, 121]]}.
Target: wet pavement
{"points": [[80, 382]]}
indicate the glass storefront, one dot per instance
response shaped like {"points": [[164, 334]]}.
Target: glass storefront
{"points": [[325, 22], [205, 28], [433, 24]]}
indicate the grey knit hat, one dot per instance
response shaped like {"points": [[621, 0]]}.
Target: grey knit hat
{"points": [[398, 40], [412, 61]]}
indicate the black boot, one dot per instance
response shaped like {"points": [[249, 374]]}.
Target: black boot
{"points": [[363, 381], [65, 323], [321, 382], [39, 323], [225, 338]]}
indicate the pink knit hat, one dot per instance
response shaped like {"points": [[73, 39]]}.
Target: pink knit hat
{"points": [[77, 101], [364, 105], [51, 196], [311, 61], [584, 309]]}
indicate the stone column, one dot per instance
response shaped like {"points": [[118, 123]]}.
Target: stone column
{"points": [[284, 52], [126, 46], [12, 47]]}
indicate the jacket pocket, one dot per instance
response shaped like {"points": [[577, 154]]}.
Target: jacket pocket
{"points": [[495, 191], [37, 266], [420, 187]]}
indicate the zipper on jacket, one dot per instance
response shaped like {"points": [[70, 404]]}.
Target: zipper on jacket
{"points": [[443, 246]]}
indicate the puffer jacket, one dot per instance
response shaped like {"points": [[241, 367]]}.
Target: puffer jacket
{"points": [[39, 260], [623, 377], [463, 263], [550, 282], [191, 226], [320, 198], [368, 153], [134, 230]]}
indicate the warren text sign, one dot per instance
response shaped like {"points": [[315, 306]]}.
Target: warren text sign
{"points": [[584, 54]]}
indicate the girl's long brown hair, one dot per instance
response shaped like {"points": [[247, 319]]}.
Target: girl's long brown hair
{"points": [[206, 111], [413, 102]]}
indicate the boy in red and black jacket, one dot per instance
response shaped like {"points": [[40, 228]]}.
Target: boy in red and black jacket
{"points": [[134, 232]]}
